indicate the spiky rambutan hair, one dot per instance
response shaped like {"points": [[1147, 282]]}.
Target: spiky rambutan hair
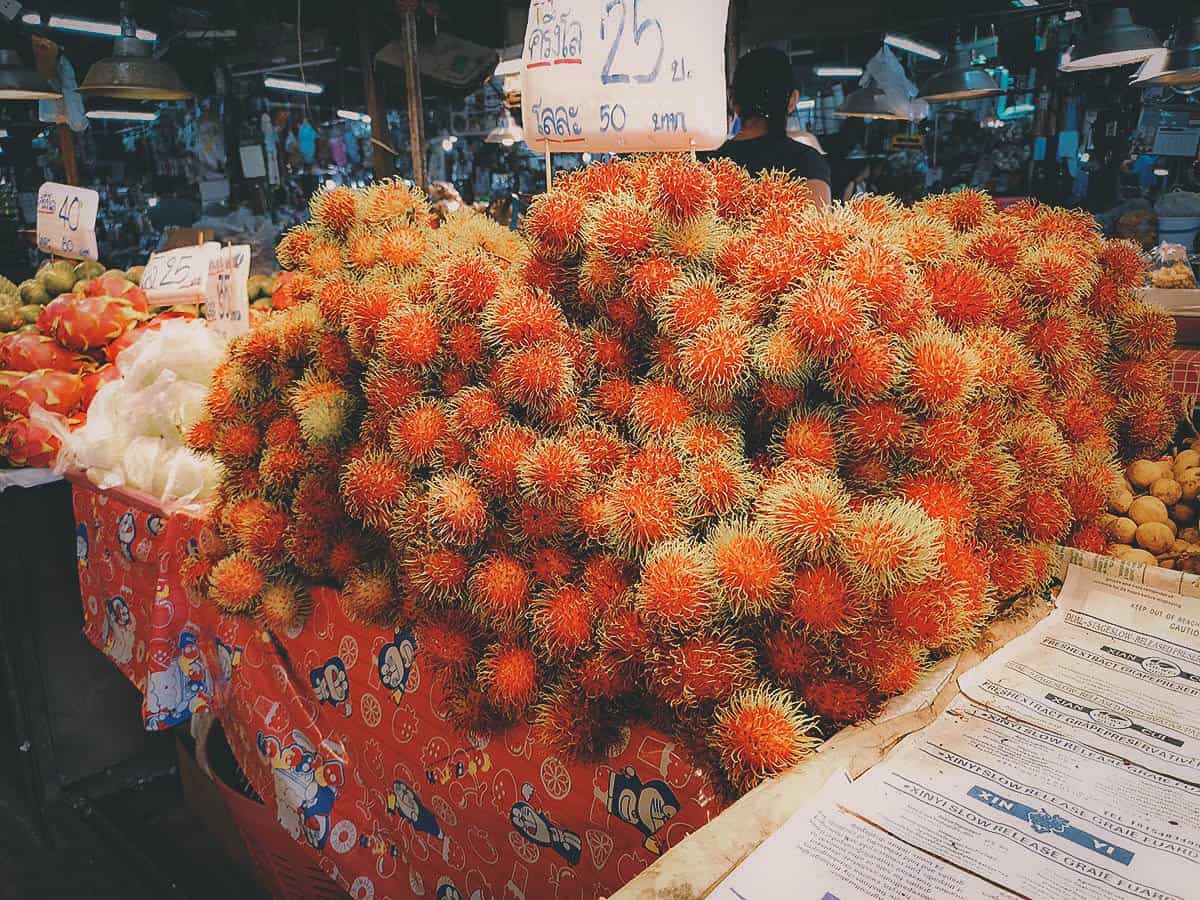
{"points": [[521, 318], [639, 513], [889, 543], [658, 409], [418, 434], [866, 368], [703, 668], [689, 303], [437, 573], [553, 471], [715, 362], [678, 588], [448, 642], [779, 357], [761, 732], [1145, 331], [925, 239], [372, 487], [323, 406], [457, 509], [369, 595], [1124, 263], [293, 246], [750, 569], [841, 700], [804, 514], [825, 313], [285, 603], [500, 589], [824, 601], [536, 377], [555, 222], [963, 294], [562, 619], [720, 484], [944, 499], [508, 676], [236, 583], [940, 373], [1044, 513]]}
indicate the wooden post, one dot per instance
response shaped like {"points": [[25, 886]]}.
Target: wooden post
{"points": [[549, 169], [383, 163], [45, 54], [412, 76]]}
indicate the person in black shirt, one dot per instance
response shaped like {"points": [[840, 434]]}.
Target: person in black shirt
{"points": [[764, 95]]}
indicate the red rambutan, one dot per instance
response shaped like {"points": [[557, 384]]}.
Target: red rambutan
{"points": [[759, 733], [555, 221], [372, 487], [941, 372], [369, 595], [865, 369], [552, 471], [536, 376], [678, 586], [411, 337], [417, 433], [285, 604], [402, 246], [447, 643], [824, 314], [840, 700], [658, 409], [619, 227], [889, 543], [237, 444], [1044, 514], [508, 676], [562, 619], [749, 567], [823, 600], [500, 588], [457, 510], [804, 514], [640, 514], [236, 583], [879, 426]]}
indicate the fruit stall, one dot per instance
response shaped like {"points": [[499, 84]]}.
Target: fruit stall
{"points": [[506, 560]]}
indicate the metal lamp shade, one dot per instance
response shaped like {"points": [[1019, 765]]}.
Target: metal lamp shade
{"points": [[1177, 66], [131, 73], [960, 83], [1119, 42], [871, 103], [508, 133], [20, 83]]}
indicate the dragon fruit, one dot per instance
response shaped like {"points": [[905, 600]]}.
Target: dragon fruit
{"points": [[93, 381], [113, 286], [54, 391], [29, 352], [87, 323], [28, 444]]}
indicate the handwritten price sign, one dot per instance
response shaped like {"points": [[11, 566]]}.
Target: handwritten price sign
{"points": [[228, 304], [178, 276], [66, 220], [624, 75]]}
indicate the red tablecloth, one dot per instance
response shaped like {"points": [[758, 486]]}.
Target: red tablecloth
{"points": [[1185, 372], [341, 733]]}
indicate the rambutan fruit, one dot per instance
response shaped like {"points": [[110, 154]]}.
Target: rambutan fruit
{"points": [[387, 390], [749, 566], [324, 259], [926, 240], [293, 246], [688, 304], [657, 409], [603, 450], [866, 368], [997, 244], [619, 227], [411, 337], [372, 487], [1053, 276], [715, 360], [924, 612], [678, 586], [1148, 424], [437, 572], [561, 622], [693, 242], [237, 444], [552, 471], [641, 513], [285, 604], [508, 676], [700, 437], [877, 271], [889, 543], [335, 209], [323, 406], [1145, 330], [393, 201], [890, 662], [555, 222], [599, 279], [761, 732], [402, 246], [236, 583], [447, 642], [823, 600], [363, 248], [457, 509], [778, 357], [771, 268], [791, 656], [607, 578], [473, 411], [947, 501], [331, 355], [682, 188], [1044, 514], [307, 542], [841, 700], [1124, 262], [346, 553], [720, 484], [968, 209], [824, 314], [963, 294], [201, 435], [369, 595], [552, 565], [731, 188], [940, 374], [417, 433], [1090, 537], [653, 462], [521, 318], [498, 455], [602, 674], [564, 722], [258, 526], [944, 443], [536, 376], [651, 279], [1038, 448], [467, 281], [993, 477], [705, 668], [500, 588], [804, 514]]}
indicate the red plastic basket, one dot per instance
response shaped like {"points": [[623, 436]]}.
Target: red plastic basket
{"points": [[285, 867]]}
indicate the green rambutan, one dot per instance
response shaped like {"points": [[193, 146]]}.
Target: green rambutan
{"points": [[323, 406]]}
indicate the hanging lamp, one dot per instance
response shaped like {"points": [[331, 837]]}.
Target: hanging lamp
{"points": [[871, 103], [1179, 64], [132, 72], [20, 83], [507, 132], [1117, 42], [962, 80]]}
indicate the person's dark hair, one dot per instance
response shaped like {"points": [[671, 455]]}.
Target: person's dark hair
{"points": [[762, 84]]}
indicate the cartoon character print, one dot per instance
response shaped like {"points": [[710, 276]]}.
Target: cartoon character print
{"points": [[228, 657], [81, 545], [118, 631], [183, 689], [155, 524], [305, 787], [331, 684], [395, 663], [537, 828], [647, 806], [126, 533], [403, 801], [447, 891]]}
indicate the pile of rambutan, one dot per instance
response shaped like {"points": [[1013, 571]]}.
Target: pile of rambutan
{"points": [[689, 450]]}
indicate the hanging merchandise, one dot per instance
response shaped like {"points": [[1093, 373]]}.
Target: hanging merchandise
{"points": [[886, 72], [307, 139], [271, 143], [68, 108]]}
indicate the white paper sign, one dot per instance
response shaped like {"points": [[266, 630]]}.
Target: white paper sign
{"points": [[624, 75], [66, 220], [178, 275], [228, 304]]}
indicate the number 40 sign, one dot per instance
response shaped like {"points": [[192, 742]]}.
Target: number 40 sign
{"points": [[66, 220], [624, 75]]}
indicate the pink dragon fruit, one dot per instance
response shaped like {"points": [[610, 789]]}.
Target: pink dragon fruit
{"points": [[54, 391], [27, 444], [29, 352], [87, 323]]}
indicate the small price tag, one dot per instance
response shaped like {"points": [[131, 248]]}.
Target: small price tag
{"points": [[66, 220], [624, 75], [178, 276], [227, 303]]}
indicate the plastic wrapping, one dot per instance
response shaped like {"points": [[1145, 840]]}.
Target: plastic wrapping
{"points": [[886, 72], [1170, 268], [133, 436]]}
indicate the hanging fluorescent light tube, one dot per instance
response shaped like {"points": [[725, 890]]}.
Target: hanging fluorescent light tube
{"points": [[1071, 15], [353, 116], [1025, 4], [31, 18], [3, 133], [289, 84], [900, 42], [806, 103], [122, 115], [838, 71], [89, 26]]}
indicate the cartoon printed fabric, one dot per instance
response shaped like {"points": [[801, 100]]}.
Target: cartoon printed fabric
{"points": [[134, 609], [340, 731]]}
